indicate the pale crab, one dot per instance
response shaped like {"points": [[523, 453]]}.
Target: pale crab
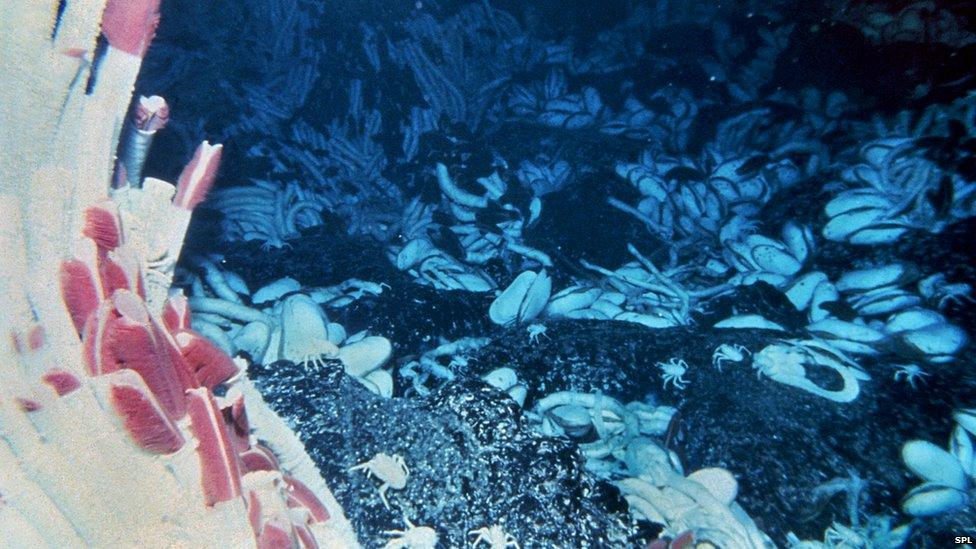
{"points": [[315, 353], [414, 537], [391, 470], [672, 371], [910, 373], [937, 288], [729, 353], [535, 332], [495, 537]]}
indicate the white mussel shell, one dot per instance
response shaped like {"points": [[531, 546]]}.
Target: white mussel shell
{"points": [[719, 482], [366, 355], [414, 252], [644, 457], [912, 319], [575, 420], [836, 329], [937, 342], [932, 499], [749, 322], [885, 301], [856, 200], [518, 394], [798, 239], [933, 464], [302, 327], [966, 418], [253, 338], [587, 314], [571, 299], [523, 300], [380, 382], [472, 282], [274, 290], [842, 226], [502, 379], [776, 260], [654, 322], [800, 293], [336, 333], [961, 446], [739, 255], [893, 274], [825, 292], [536, 298], [606, 307], [882, 233]]}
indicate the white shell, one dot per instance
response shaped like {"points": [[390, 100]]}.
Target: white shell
{"points": [[801, 291], [518, 394], [876, 277], [414, 252], [523, 300], [302, 324], [966, 418], [719, 482], [833, 328], [798, 239], [933, 464], [961, 446], [575, 420], [825, 292], [885, 301], [912, 319], [254, 339], [571, 299], [274, 290], [855, 200], [501, 378], [366, 355], [932, 499], [382, 381], [844, 225], [936, 340], [335, 332], [881, 233], [653, 322], [775, 259], [749, 322]]}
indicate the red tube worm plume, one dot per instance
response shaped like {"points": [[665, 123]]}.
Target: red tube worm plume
{"points": [[62, 381], [28, 405], [129, 25], [258, 458], [122, 335], [198, 176], [254, 511], [103, 225], [211, 366], [30, 340], [235, 415], [300, 495], [141, 414], [305, 537], [276, 533], [221, 476], [152, 113], [80, 290], [176, 313]]}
